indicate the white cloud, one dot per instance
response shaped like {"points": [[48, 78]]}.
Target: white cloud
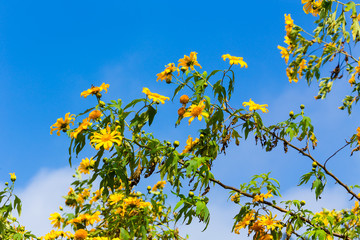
{"points": [[332, 198], [43, 196]]}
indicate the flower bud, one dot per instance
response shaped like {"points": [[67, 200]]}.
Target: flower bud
{"points": [[98, 95], [176, 144], [302, 203], [314, 164], [184, 99], [148, 188], [291, 114], [6, 183], [181, 111], [101, 104], [168, 81], [191, 194], [12, 177]]}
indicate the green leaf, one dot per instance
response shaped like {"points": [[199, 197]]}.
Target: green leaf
{"points": [[17, 204], [350, 6], [88, 110], [124, 235], [151, 113], [134, 102], [179, 204]]}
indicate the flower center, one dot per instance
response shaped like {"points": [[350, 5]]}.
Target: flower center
{"points": [[106, 137], [196, 111]]}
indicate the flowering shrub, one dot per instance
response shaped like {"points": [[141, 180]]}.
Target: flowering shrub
{"points": [[125, 152]]}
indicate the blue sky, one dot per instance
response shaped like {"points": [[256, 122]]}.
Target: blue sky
{"points": [[51, 51]]}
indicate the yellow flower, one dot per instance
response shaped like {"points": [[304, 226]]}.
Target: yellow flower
{"points": [[106, 138], [190, 144], [136, 202], [84, 125], [189, 62], [154, 96], [284, 53], [244, 222], [95, 90], [159, 185], [115, 198], [357, 68], [62, 124], [312, 6], [81, 234], [94, 218], [302, 67], [86, 165], [289, 23], [95, 114], [196, 111], [356, 208], [269, 222], [167, 73], [254, 106], [12, 177], [56, 219], [261, 197], [234, 60], [96, 196], [289, 73], [287, 41]]}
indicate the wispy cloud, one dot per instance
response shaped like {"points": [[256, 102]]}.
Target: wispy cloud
{"points": [[42, 196]]}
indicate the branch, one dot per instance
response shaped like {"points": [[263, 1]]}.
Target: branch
{"points": [[279, 209], [347, 143], [319, 164]]}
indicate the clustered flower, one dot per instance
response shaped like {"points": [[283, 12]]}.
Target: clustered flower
{"points": [[254, 106]]}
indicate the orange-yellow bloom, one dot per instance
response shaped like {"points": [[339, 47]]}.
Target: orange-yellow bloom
{"points": [[95, 114], [189, 62], [159, 185], [261, 197], [56, 219], [106, 138], [84, 125], [167, 73], [95, 90], [289, 74], [115, 198], [81, 234], [269, 222], [62, 124], [284, 53], [234, 60], [357, 68], [312, 6], [289, 23], [302, 67], [244, 222], [196, 111], [86, 165], [190, 144], [154, 96], [254, 106]]}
